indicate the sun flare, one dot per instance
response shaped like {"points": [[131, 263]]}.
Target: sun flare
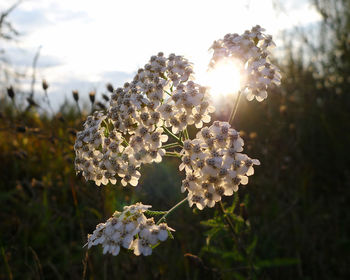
{"points": [[225, 78]]}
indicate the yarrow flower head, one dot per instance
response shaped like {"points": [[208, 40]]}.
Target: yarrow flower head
{"points": [[159, 103], [252, 49], [116, 144], [129, 229], [214, 165]]}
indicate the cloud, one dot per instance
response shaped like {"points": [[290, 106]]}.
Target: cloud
{"points": [[66, 15], [29, 18], [85, 42], [24, 58], [25, 21], [116, 78]]}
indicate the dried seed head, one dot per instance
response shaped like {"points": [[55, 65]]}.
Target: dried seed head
{"points": [[10, 92], [100, 105], [92, 96], [45, 85], [110, 88], [75, 95]]}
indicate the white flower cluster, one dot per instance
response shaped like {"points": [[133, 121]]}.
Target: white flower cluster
{"points": [[214, 165], [161, 101], [129, 229], [251, 49], [130, 134]]}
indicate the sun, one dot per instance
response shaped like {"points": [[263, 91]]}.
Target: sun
{"points": [[225, 78]]}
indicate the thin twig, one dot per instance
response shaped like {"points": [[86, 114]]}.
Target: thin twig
{"points": [[171, 145], [78, 107], [85, 261], [186, 134], [36, 258], [171, 210], [48, 101], [234, 109], [236, 238], [9, 272], [35, 60], [229, 222], [172, 154]]}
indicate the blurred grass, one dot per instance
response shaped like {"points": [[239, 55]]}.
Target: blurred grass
{"points": [[297, 208], [48, 210]]}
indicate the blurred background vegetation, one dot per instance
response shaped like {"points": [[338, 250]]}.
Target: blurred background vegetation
{"points": [[291, 222]]}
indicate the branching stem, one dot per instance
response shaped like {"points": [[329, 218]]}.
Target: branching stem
{"points": [[48, 101], [173, 135], [172, 154], [186, 134], [171, 145], [221, 206], [172, 210], [78, 107]]}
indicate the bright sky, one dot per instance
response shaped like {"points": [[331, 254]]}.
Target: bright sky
{"points": [[86, 44]]}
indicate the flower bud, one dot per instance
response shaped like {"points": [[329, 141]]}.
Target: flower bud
{"points": [[75, 95], [10, 92], [105, 97], [45, 85], [101, 106], [110, 88], [92, 96]]}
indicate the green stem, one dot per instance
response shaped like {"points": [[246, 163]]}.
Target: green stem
{"points": [[171, 145], [172, 154], [15, 105], [92, 107], [8, 270], [181, 135], [234, 109], [107, 127], [236, 237], [229, 222], [79, 111], [172, 210], [125, 143], [186, 134], [173, 135], [167, 93], [48, 102], [155, 213], [163, 76]]}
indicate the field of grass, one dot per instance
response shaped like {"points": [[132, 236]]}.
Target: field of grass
{"points": [[292, 218]]}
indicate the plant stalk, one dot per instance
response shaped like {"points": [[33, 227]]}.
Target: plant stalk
{"points": [[234, 109], [173, 135], [172, 154], [171, 145], [171, 210]]}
